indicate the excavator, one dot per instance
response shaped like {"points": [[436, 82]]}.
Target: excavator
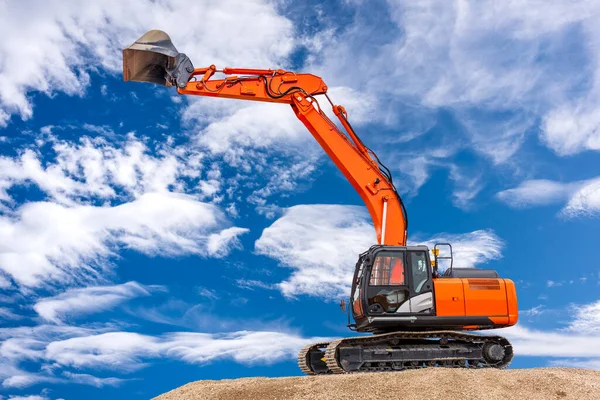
{"points": [[416, 314]]}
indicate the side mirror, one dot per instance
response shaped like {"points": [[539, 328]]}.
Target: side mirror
{"points": [[343, 305]]}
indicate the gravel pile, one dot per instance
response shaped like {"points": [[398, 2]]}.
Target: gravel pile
{"points": [[430, 384]]}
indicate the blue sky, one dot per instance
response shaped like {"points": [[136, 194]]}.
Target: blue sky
{"points": [[148, 240]]}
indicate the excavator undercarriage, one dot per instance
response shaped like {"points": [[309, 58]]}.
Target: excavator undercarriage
{"points": [[400, 351], [402, 316]]}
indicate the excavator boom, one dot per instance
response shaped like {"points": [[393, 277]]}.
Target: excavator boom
{"points": [[152, 55]]}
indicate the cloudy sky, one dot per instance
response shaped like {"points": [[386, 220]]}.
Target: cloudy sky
{"points": [[148, 239]]}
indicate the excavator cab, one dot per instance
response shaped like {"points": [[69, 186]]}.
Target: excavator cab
{"points": [[398, 288], [391, 284]]}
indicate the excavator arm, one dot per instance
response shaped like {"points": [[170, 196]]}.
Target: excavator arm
{"points": [[358, 164], [154, 58]]}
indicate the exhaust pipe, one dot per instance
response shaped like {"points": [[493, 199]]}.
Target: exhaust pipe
{"points": [[153, 58]]}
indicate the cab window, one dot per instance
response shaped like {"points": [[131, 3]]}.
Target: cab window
{"points": [[388, 270], [419, 269]]}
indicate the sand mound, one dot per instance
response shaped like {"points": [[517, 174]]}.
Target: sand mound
{"points": [[430, 384]]}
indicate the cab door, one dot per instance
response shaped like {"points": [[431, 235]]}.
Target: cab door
{"points": [[421, 283]]}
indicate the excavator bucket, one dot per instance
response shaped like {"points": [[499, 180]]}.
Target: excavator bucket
{"points": [[153, 58]]}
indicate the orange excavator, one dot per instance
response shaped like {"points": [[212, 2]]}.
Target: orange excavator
{"points": [[418, 316]]}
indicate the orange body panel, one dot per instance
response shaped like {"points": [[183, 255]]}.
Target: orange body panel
{"points": [[477, 297], [485, 297], [449, 297]]}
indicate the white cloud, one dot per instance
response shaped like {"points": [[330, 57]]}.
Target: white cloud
{"points": [[538, 192], [582, 198], [4, 283], [325, 252], [96, 168], [220, 244], [556, 344], [576, 345], [208, 293], [586, 319], [251, 284], [26, 344], [585, 202], [91, 380], [112, 350], [44, 241], [126, 351], [321, 244], [230, 126], [245, 347], [466, 186], [534, 311], [88, 300], [578, 363], [469, 249], [55, 44], [60, 352], [12, 377], [29, 397], [8, 314], [575, 128]]}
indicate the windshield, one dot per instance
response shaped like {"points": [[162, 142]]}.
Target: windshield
{"points": [[388, 270]]}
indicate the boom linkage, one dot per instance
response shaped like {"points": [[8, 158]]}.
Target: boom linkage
{"points": [[359, 165]]}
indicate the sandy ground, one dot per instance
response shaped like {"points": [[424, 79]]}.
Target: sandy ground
{"points": [[430, 384]]}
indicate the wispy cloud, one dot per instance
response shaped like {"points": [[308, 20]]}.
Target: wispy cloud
{"points": [[534, 311], [44, 241], [586, 319], [98, 168], [69, 349], [76, 302], [109, 351], [323, 252], [555, 344], [29, 397], [245, 347], [208, 293], [91, 380], [576, 345], [126, 350], [469, 249], [252, 284], [581, 198]]}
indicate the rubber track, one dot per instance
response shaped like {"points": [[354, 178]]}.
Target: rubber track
{"points": [[303, 356], [331, 351]]}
